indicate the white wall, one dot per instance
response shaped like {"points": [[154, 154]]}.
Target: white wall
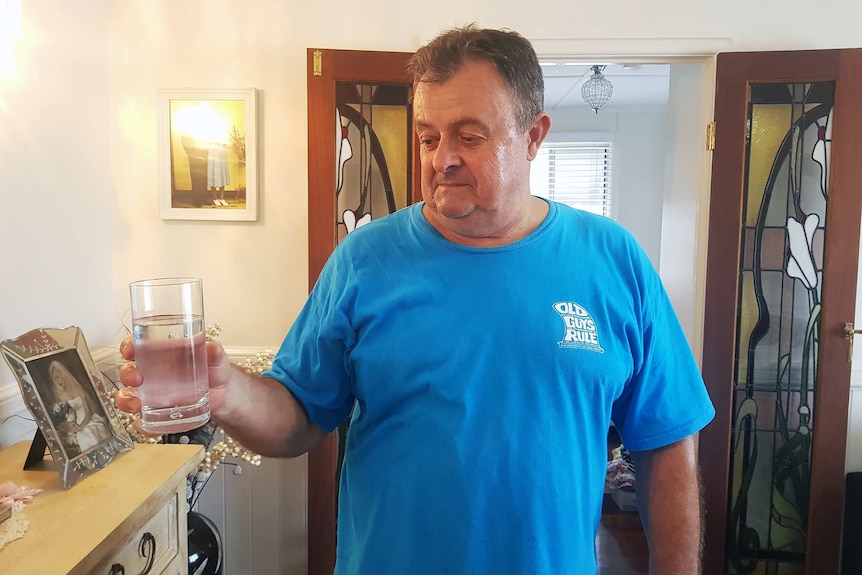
{"points": [[78, 169], [78, 135], [685, 202], [254, 273], [57, 202], [638, 163]]}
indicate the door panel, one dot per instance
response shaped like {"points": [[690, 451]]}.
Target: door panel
{"points": [[781, 281], [361, 166]]}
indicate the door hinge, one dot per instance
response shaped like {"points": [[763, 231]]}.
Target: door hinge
{"points": [[710, 136], [317, 66]]}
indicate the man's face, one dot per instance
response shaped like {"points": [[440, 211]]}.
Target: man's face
{"points": [[474, 155]]}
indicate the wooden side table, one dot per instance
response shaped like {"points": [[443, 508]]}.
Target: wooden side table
{"points": [[127, 518]]}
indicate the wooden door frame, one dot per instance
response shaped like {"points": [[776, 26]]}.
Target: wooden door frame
{"points": [[830, 433], [331, 66]]}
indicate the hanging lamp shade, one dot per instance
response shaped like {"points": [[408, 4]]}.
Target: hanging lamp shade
{"points": [[597, 90]]}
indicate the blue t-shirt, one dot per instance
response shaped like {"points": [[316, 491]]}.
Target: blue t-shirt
{"points": [[485, 380]]}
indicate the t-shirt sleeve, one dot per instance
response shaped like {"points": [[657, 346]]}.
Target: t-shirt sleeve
{"points": [[666, 399], [311, 360]]}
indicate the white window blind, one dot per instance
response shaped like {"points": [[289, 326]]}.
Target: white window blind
{"points": [[574, 173]]}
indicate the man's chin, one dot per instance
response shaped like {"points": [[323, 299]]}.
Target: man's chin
{"points": [[454, 212], [452, 208]]}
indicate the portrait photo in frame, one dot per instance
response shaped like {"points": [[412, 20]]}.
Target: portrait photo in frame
{"points": [[208, 155], [67, 396]]}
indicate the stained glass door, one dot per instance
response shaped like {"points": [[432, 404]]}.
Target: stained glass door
{"points": [[781, 280], [361, 167]]}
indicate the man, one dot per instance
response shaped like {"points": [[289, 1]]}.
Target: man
{"points": [[486, 338]]}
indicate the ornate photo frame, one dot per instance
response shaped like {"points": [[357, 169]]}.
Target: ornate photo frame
{"points": [[208, 155], [67, 396]]}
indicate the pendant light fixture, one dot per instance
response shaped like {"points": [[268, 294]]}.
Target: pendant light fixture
{"points": [[597, 90]]}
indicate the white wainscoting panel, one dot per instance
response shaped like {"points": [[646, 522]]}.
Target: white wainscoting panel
{"points": [[854, 432], [853, 461], [260, 513]]}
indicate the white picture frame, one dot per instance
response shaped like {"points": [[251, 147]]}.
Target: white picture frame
{"points": [[208, 155]]}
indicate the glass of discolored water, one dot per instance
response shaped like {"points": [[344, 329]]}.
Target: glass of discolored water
{"points": [[169, 332]]}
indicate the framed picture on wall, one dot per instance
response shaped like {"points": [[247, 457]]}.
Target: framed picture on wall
{"points": [[208, 155], [67, 396]]}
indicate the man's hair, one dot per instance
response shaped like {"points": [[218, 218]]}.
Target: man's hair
{"points": [[511, 54]]}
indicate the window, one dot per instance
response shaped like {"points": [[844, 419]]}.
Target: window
{"points": [[574, 173]]}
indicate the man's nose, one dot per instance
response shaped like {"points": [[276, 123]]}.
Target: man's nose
{"points": [[446, 155]]}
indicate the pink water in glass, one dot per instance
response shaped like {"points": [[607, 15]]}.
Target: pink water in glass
{"points": [[171, 356]]}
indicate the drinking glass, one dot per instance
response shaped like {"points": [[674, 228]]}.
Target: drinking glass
{"points": [[170, 353]]}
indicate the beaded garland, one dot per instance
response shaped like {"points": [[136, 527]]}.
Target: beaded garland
{"points": [[217, 453]]}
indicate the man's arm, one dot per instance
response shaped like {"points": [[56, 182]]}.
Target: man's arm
{"points": [[263, 416], [668, 494], [259, 412]]}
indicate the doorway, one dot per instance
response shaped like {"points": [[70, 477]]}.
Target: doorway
{"points": [[639, 136], [687, 164]]}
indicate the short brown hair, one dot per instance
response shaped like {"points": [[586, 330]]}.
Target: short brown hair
{"points": [[511, 54]]}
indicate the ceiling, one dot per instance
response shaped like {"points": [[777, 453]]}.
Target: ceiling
{"points": [[637, 85]]}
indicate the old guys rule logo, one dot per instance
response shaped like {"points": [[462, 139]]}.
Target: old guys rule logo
{"points": [[580, 328]]}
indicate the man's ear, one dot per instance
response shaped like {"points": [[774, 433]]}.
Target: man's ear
{"points": [[537, 134]]}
